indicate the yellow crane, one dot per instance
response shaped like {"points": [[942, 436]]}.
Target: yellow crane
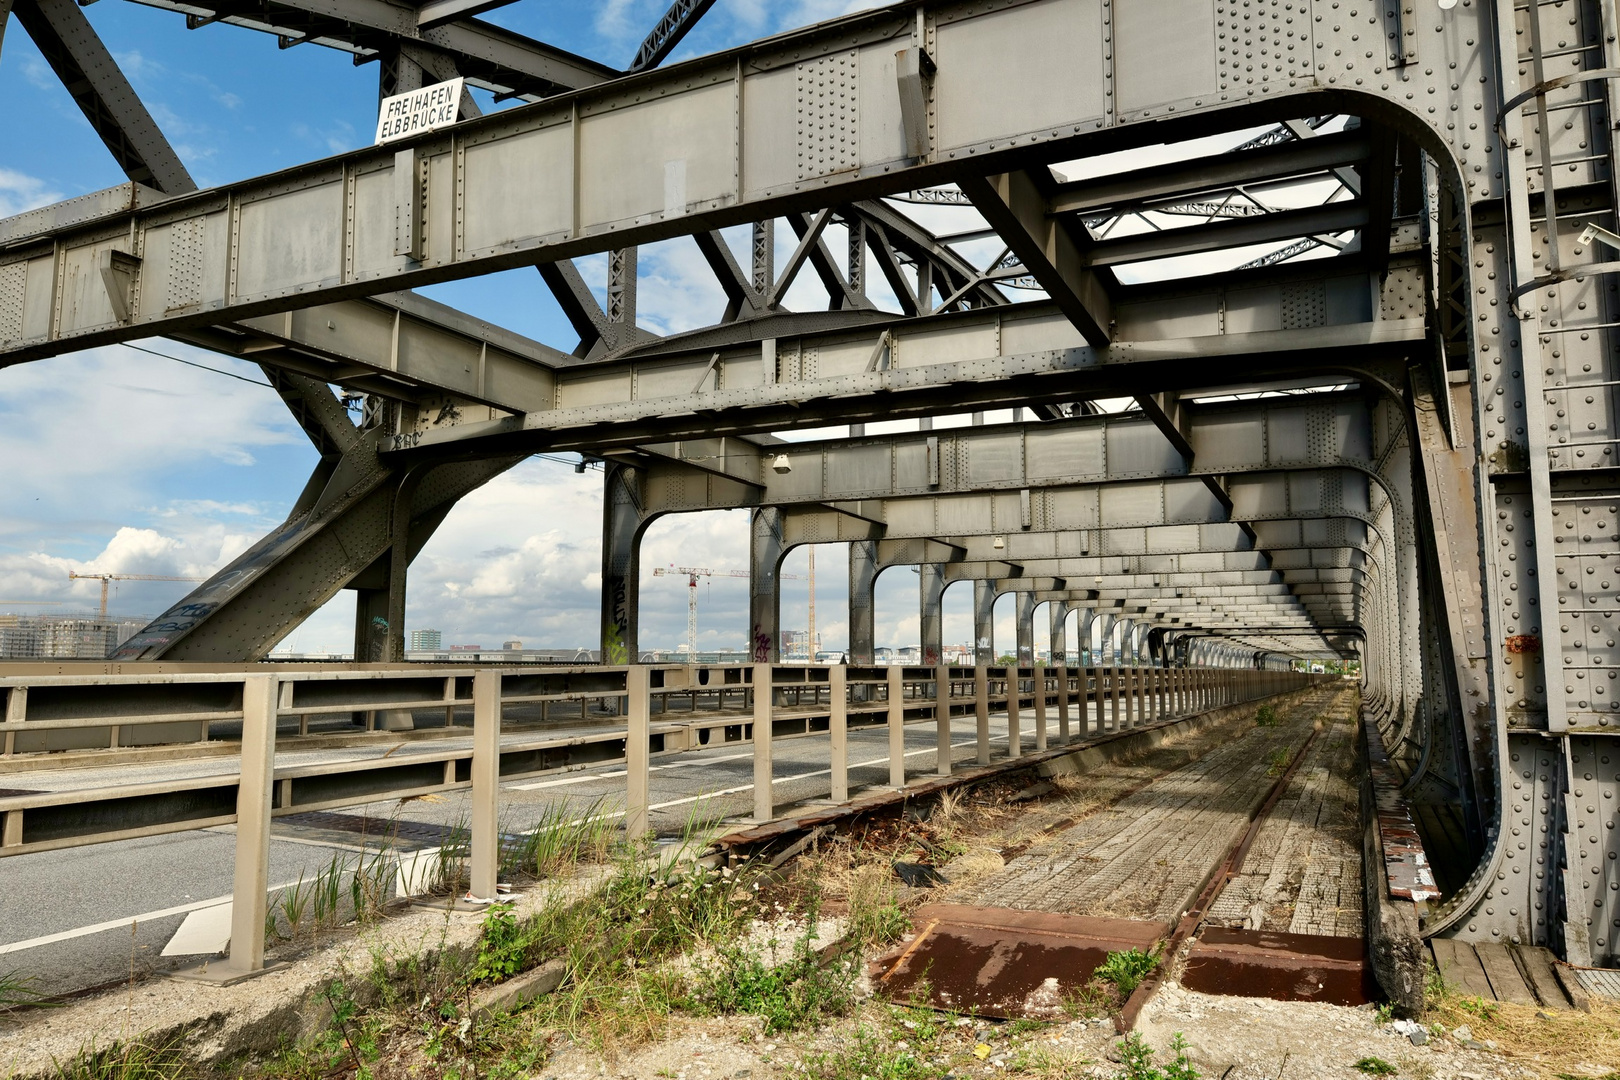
{"points": [[105, 578]]}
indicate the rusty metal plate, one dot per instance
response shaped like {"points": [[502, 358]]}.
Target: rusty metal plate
{"points": [[1284, 967], [1002, 962]]}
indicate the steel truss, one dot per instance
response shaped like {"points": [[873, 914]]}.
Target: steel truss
{"points": [[1430, 521]]}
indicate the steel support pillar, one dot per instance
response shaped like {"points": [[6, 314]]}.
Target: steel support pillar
{"points": [[931, 602], [862, 583], [1059, 647], [1025, 618], [984, 622], [623, 521], [765, 551]]}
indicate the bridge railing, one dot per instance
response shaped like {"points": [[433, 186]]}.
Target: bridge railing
{"points": [[760, 703]]}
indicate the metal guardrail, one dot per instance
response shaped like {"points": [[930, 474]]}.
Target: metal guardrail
{"points": [[770, 702]]}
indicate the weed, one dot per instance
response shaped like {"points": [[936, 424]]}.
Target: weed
{"points": [[1376, 1066], [326, 892], [789, 996], [1136, 1061], [135, 1060], [875, 914], [1277, 762], [868, 1058], [1265, 716], [560, 840], [294, 902], [1098, 997], [1384, 1013], [1126, 969], [371, 886], [453, 858], [1477, 1006], [503, 946], [1435, 988], [17, 989]]}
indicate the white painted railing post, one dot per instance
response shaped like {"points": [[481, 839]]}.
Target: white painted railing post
{"points": [[637, 750], [764, 795], [16, 712], [838, 731], [897, 726], [942, 720], [250, 899], [981, 713], [1039, 683], [1099, 705], [1015, 736], [1063, 702], [486, 768]]}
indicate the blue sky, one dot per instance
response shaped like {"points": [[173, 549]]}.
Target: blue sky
{"points": [[122, 461]]}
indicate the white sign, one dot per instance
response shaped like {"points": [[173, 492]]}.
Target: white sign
{"points": [[418, 111]]}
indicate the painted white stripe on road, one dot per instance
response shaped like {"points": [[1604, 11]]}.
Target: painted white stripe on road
{"points": [[566, 781], [119, 924]]}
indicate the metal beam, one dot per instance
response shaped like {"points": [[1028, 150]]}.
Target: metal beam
{"points": [[1016, 207], [326, 544], [1183, 179], [70, 45], [331, 236], [675, 24], [646, 401], [1222, 235], [488, 55]]}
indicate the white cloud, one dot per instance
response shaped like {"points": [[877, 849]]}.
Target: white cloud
{"points": [[114, 415], [618, 20], [20, 192]]}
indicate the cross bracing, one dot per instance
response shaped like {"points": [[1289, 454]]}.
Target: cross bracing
{"points": [[1378, 215]]}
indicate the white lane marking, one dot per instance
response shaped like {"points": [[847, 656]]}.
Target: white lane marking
{"points": [[748, 787], [566, 781], [806, 775], [119, 924]]}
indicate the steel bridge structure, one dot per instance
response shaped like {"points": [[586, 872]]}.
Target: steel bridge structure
{"points": [[1337, 379]]}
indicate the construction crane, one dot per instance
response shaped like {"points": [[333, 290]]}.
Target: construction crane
{"points": [[105, 578], [692, 574]]}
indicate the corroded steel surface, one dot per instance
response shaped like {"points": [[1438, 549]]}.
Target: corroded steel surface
{"points": [[1286, 967], [1001, 962]]}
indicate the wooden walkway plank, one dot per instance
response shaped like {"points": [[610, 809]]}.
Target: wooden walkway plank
{"points": [[1460, 967], [1506, 982], [1536, 967]]}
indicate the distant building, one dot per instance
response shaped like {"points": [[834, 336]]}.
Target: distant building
{"points": [[64, 637], [426, 640], [466, 648], [512, 646]]}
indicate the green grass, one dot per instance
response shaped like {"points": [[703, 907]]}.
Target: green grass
{"points": [[791, 995], [17, 989], [869, 1056], [1136, 1061], [1265, 716], [1376, 1066], [1126, 969], [135, 1060], [562, 839], [1277, 762]]}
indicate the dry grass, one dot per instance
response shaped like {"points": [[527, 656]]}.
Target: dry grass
{"points": [[1566, 1044]]}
